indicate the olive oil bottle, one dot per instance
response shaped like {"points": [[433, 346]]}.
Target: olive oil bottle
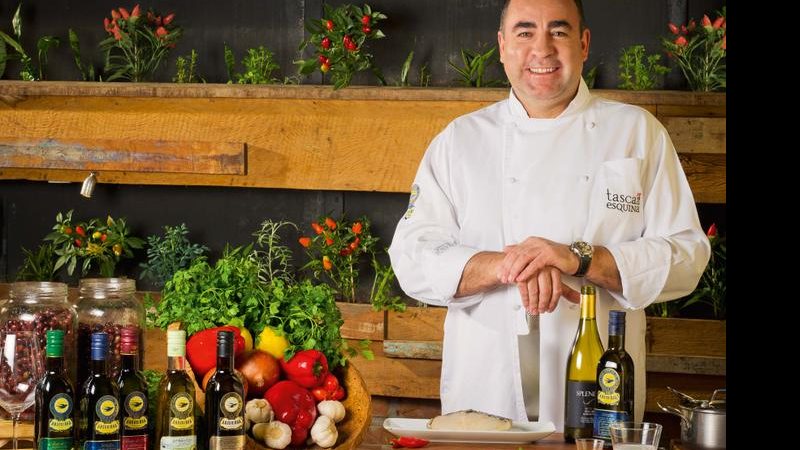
{"points": [[225, 400], [175, 426], [581, 385], [100, 401], [614, 380], [132, 392], [55, 399]]}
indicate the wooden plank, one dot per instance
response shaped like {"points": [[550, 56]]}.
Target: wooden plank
{"points": [[697, 386], [706, 173], [691, 111], [124, 154], [696, 134], [417, 324], [395, 377], [413, 349], [24, 430], [361, 321], [686, 337], [692, 365]]}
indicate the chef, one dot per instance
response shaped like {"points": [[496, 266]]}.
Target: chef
{"points": [[516, 205]]}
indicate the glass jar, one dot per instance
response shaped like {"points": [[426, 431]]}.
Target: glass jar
{"points": [[41, 306], [106, 304]]}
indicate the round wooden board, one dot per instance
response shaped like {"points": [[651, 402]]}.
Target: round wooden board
{"points": [[358, 407]]}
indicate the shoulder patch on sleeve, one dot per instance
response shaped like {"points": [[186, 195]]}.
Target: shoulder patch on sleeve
{"points": [[411, 201]]}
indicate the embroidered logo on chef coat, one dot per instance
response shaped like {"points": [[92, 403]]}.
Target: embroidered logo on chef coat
{"points": [[411, 201], [622, 202]]}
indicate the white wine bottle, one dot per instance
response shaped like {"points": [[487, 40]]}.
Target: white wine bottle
{"points": [[581, 386], [614, 380], [175, 425]]}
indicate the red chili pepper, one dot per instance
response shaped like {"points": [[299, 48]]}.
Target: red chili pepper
{"points": [[67, 230], [168, 20], [692, 25], [305, 241], [326, 263], [78, 243], [328, 241], [330, 383], [366, 29], [136, 12], [330, 223], [124, 13], [317, 228], [106, 24], [79, 229], [365, 19], [294, 406], [408, 442], [712, 230], [326, 43], [308, 368], [357, 228], [706, 22], [103, 237], [345, 251], [681, 41], [718, 22], [338, 394], [673, 28], [161, 32], [324, 67], [115, 14], [329, 25]]}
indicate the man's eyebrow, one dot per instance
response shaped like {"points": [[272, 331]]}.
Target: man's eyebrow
{"points": [[522, 24], [552, 24]]}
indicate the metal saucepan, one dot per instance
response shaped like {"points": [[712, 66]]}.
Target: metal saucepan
{"points": [[702, 421]]}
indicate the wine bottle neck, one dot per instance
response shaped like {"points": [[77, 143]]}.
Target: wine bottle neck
{"points": [[588, 307], [616, 342], [225, 363], [176, 363], [55, 364], [129, 362], [98, 366]]}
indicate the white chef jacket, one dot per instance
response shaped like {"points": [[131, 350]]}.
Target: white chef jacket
{"points": [[603, 172]]}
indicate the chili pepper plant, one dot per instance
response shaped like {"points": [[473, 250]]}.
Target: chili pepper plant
{"points": [[700, 51], [339, 40]]}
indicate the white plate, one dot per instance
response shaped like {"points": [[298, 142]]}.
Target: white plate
{"points": [[520, 432]]}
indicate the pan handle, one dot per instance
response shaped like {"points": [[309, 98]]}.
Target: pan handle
{"points": [[675, 411]]}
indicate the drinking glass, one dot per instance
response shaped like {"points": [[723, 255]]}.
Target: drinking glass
{"points": [[20, 370], [635, 435], [589, 444]]}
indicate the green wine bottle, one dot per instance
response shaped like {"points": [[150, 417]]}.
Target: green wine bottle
{"points": [[132, 392], [225, 400], [581, 386], [175, 424], [614, 380], [55, 400], [100, 401]]}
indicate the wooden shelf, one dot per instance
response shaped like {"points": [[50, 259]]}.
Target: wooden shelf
{"points": [[296, 137]]}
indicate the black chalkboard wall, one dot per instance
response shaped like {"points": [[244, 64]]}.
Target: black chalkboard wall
{"points": [[434, 30]]}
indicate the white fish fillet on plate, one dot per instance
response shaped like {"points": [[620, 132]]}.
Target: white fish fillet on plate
{"points": [[469, 420]]}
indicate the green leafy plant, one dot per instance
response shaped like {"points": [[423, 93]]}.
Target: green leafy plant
{"points": [[95, 241], [43, 46], [39, 266], [169, 254], [339, 41], [87, 70], [590, 77], [639, 71], [475, 63], [380, 294], [700, 52], [137, 45], [259, 63], [405, 70], [712, 288], [274, 258], [186, 71], [152, 378]]}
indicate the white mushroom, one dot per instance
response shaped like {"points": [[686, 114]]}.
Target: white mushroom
{"points": [[333, 409], [324, 432]]}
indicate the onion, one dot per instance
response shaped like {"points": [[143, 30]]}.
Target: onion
{"points": [[260, 369]]}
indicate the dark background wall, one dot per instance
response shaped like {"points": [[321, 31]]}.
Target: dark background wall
{"points": [[435, 30]]}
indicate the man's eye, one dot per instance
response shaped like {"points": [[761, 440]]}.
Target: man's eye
{"points": [[559, 34], [525, 34]]}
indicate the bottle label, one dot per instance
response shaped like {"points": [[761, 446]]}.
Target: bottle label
{"points": [[181, 406], [60, 410], [226, 442], [178, 443], [608, 381], [231, 408], [134, 442], [101, 445], [581, 399], [106, 411], [603, 418], [55, 444], [136, 412]]}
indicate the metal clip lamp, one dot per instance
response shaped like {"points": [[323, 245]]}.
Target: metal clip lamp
{"points": [[87, 188]]}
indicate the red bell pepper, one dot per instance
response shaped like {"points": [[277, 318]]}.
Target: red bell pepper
{"points": [[408, 442], [307, 368], [201, 348], [329, 390], [294, 406]]}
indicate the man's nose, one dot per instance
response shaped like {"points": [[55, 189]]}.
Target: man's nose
{"points": [[542, 45]]}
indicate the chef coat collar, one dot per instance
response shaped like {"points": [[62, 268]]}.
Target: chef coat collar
{"points": [[577, 105]]}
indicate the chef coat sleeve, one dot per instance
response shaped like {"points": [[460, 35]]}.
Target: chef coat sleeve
{"points": [[426, 254], [667, 261]]}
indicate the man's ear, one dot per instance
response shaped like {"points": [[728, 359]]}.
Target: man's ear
{"points": [[585, 38], [501, 45]]}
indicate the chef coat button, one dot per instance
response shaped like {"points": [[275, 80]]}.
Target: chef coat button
{"points": [[585, 178], [591, 125], [512, 180]]}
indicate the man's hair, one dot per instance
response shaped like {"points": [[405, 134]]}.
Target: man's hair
{"points": [[578, 3]]}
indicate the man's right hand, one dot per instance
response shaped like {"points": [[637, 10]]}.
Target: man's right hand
{"points": [[541, 291]]}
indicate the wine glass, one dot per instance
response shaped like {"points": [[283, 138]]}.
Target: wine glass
{"points": [[20, 369]]}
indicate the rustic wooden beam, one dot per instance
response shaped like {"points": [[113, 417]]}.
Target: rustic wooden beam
{"points": [[688, 364], [226, 158], [413, 349]]}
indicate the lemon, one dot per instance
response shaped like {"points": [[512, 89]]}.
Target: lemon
{"points": [[248, 338], [272, 343]]}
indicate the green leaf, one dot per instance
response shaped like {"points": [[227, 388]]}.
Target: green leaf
{"points": [[14, 44], [16, 21]]}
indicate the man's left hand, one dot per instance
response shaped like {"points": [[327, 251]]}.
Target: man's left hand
{"points": [[527, 258]]}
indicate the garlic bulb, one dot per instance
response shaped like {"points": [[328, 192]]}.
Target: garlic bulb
{"points": [[333, 409], [324, 432]]}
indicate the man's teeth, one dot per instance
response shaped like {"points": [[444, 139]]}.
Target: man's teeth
{"points": [[542, 69]]}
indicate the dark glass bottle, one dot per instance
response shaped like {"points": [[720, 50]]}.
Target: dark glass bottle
{"points": [[100, 401], [55, 399], [581, 386], [614, 380], [225, 400], [175, 425], [132, 393]]}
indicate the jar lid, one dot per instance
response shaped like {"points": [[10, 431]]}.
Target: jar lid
{"points": [[35, 290]]}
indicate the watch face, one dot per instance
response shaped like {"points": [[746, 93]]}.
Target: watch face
{"points": [[582, 248]]}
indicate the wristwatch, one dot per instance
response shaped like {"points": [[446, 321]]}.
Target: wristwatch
{"points": [[584, 251]]}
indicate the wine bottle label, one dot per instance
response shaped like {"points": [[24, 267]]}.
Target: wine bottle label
{"points": [[134, 442], [226, 442], [581, 399], [181, 407], [60, 409], [231, 408], [178, 443], [106, 414], [603, 418], [608, 381], [101, 445], [136, 412], [55, 444]]}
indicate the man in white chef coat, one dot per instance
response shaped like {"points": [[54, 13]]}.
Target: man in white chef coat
{"points": [[516, 205]]}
